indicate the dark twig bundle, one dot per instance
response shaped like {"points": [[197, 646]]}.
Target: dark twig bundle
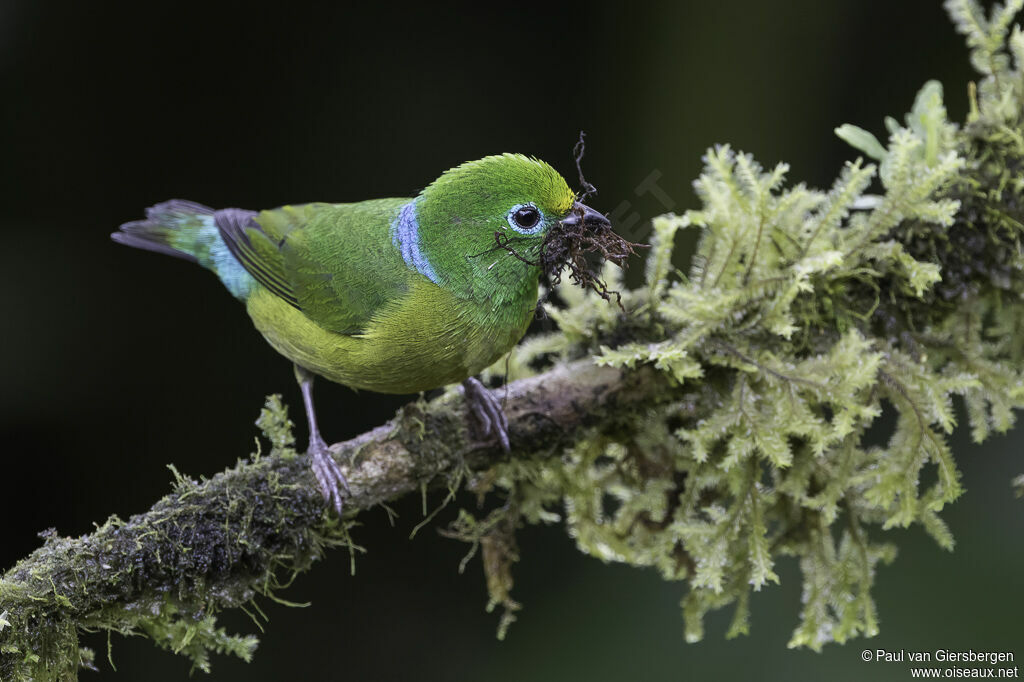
{"points": [[568, 244]]}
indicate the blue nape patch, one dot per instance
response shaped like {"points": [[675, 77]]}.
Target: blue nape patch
{"points": [[405, 235]]}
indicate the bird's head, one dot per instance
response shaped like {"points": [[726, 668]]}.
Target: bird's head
{"points": [[494, 214]]}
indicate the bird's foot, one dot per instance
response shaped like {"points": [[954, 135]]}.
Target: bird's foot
{"points": [[328, 473], [487, 411]]}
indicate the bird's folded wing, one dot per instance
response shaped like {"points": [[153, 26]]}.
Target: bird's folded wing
{"points": [[257, 250], [334, 262]]}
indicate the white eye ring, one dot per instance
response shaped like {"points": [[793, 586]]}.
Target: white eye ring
{"points": [[510, 218]]}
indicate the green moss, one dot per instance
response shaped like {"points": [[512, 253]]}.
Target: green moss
{"points": [[804, 316], [167, 573]]}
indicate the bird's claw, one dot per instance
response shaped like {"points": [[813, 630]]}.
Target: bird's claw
{"points": [[486, 408], [328, 474]]}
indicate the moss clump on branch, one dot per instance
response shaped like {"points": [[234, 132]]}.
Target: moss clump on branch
{"points": [[166, 574], [805, 315]]}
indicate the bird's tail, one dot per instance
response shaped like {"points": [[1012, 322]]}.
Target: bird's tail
{"points": [[179, 228], [188, 230]]}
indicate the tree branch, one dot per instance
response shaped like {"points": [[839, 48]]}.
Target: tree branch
{"points": [[217, 543]]}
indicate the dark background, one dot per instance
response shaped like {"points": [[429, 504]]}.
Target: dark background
{"points": [[115, 362]]}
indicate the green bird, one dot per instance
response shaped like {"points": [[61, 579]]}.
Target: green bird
{"points": [[395, 295]]}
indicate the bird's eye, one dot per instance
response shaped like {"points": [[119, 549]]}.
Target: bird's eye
{"points": [[525, 218]]}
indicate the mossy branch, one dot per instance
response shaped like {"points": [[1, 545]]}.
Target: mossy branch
{"points": [[718, 420], [218, 543]]}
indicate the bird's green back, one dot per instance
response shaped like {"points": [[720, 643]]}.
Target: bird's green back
{"points": [[339, 261]]}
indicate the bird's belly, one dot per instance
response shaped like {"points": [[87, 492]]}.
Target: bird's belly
{"points": [[425, 340]]}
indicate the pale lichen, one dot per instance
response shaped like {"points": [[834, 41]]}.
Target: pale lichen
{"points": [[805, 315]]}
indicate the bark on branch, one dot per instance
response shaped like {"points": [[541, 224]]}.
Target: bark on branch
{"points": [[217, 543]]}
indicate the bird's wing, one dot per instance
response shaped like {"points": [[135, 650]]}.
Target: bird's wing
{"points": [[257, 249], [334, 262]]}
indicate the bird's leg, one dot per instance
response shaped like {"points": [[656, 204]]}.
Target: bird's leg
{"points": [[486, 408], [328, 473]]}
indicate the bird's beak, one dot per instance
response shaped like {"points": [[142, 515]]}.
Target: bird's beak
{"points": [[581, 213]]}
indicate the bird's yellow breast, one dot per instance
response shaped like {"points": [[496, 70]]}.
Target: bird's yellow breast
{"points": [[422, 340]]}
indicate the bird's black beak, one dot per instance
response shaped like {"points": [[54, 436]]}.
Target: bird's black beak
{"points": [[581, 213]]}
